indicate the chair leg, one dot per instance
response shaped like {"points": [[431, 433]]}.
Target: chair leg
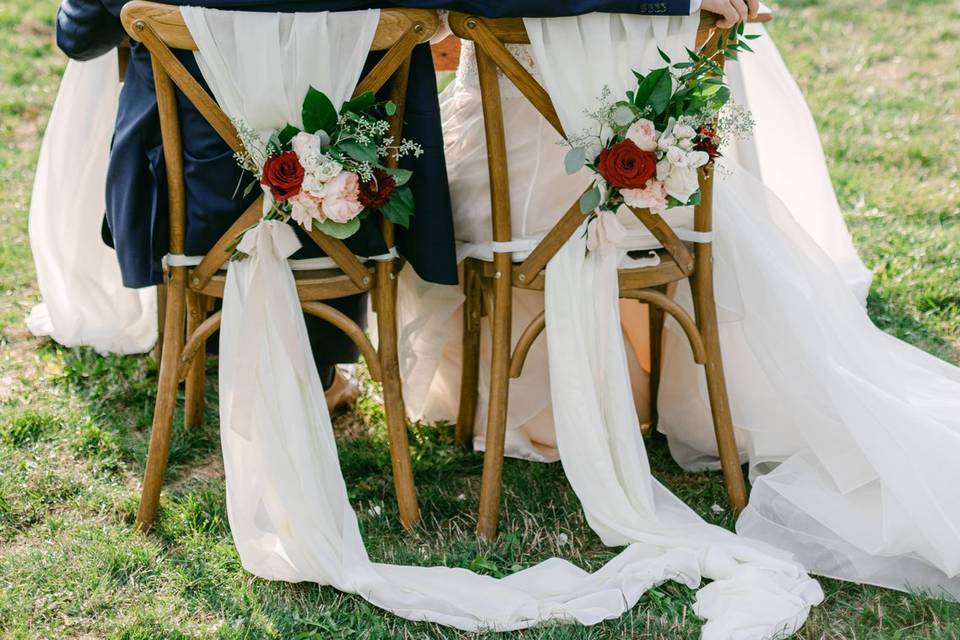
{"points": [[706, 313], [656, 360], [166, 401], [196, 374], [470, 374], [161, 318], [491, 484], [385, 294]]}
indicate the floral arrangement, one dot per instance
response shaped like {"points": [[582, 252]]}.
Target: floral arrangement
{"points": [[331, 174], [647, 148]]}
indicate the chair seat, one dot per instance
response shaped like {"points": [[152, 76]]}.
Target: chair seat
{"points": [[317, 284], [634, 278]]}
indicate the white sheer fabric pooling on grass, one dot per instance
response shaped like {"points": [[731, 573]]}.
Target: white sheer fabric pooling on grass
{"points": [[84, 300], [286, 497]]}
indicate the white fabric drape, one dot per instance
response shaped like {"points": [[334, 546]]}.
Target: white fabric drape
{"points": [[84, 301], [785, 136], [287, 502]]}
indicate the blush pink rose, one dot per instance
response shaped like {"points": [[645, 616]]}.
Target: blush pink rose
{"points": [[341, 197], [643, 134], [653, 197]]}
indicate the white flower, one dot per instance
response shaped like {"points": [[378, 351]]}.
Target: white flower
{"points": [[563, 538], [680, 181], [312, 183], [643, 134], [684, 132], [328, 169], [307, 146]]}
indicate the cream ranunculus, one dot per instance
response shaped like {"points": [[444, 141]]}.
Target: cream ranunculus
{"points": [[340, 197]]}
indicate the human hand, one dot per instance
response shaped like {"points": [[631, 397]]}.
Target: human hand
{"points": [[731, 11]]}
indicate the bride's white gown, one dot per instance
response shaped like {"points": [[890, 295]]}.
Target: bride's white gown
{"points": [[852, 436]]}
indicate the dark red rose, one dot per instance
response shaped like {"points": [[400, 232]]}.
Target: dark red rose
{"points": [[375, 193], [627, 166], [284, 175], [707, 141]]}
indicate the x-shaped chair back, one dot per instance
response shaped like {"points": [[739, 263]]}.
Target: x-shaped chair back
{"points": [[648, 284], [161, 29]]}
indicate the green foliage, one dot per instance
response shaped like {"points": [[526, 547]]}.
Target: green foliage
{"points": [[399, 208], [318, 113]]}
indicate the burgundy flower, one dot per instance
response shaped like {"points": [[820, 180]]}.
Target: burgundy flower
{"points": [[627, 166], [708, 142], [284, 175], [375, 193]]}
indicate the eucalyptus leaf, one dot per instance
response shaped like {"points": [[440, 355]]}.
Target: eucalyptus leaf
{"points": [[338, 230], [590, 200], [391, 108], [574, 160], [623, 115]]}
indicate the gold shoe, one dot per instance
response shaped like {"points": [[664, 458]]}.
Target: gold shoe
{"points": [[342, 394]]}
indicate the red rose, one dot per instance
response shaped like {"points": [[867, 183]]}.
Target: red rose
{"points": [[375, 193], [707, 140], [284, 175], [627, 166]]}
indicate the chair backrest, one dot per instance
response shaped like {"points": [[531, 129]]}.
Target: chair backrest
{"points": [[161, 28], [490, 37]]}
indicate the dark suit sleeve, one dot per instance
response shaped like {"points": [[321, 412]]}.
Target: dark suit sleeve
{"points": [[86, 29], [554, 8]]}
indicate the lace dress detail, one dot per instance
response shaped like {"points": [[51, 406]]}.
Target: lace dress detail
{"points": [[468, 75]]}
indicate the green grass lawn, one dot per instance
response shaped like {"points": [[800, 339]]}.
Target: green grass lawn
{"points": [[884, 87]]}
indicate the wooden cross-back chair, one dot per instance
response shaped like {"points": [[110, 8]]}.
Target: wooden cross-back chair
{"points": [[494, 280], [189, 289]]}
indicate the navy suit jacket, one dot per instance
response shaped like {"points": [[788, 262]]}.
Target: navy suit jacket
{"points": [[136, 216]]}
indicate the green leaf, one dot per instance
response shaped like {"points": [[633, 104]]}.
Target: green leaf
{"points": [[338, 230], [663, 55], [391, 108], [574, 160], [400, 207], [590, 200], [359, 104], [360, 152], [287, 134], [752, 36], [655, 90], [400, 176], [318, 112]]}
